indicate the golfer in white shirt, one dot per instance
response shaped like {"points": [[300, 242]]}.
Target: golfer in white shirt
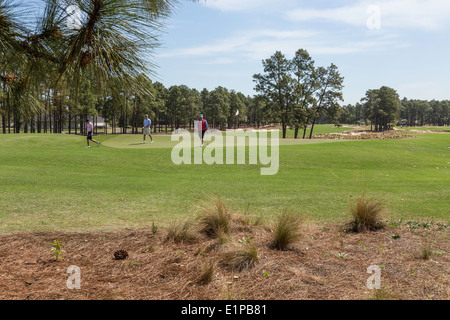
{"points": [[147, 128]]}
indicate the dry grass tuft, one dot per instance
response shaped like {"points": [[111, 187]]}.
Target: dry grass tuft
{"points": [[287, 230], [366, 215], [207, 274], [216, 219], [243, 258], [181, 232]]}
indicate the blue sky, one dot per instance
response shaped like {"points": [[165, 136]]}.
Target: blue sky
{"points": [[403, 44]]}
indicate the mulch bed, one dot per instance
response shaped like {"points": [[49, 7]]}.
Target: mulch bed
{"points": [[327, 263]]}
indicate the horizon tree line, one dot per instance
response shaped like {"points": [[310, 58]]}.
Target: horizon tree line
{"points": [[179, 106], [54, 74], [408, 112]]}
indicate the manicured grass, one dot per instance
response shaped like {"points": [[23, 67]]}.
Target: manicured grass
{"points": [[426, 128], [319, 129], [51, 182]]}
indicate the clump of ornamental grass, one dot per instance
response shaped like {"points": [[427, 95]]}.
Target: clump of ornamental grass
{"points": [[366, 215], [216, 219], [426, 250], [383, 294], [287, 230], [219, 243], [425, 253], [242, 258], [222, 238], [179, 232], [207, 274], [247, 222]]}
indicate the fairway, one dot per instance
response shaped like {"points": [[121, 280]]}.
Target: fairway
{"points": [[165, 142], [51, 182]]}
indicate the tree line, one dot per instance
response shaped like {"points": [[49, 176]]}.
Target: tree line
{"points": [[380, 107], [292, 93], [123, 111]]}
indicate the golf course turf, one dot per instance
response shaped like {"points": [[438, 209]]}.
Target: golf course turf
{"points": [[51, 182]]}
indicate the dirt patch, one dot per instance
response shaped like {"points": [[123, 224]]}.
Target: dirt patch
{"points": [[366, 135], [430, 131], [327, 263]]}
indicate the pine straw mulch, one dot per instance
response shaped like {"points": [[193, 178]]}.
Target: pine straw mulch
{"points": [[327, 264]]}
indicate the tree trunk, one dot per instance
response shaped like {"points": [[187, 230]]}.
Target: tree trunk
{"points": [[60, 102], [16, 122], [39, 123], [3, 123], [8, 105], [312, 128], [50, 121], [45, 122], [9, 121]]}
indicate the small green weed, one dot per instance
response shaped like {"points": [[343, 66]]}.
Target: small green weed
{"points": [[58, 249]]}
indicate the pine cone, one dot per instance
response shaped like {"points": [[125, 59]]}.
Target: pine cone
{"points": [[120, 255]]}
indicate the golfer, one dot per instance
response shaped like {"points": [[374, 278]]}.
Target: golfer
{"points": [[147, 128], [202, 127], [90, 130]]}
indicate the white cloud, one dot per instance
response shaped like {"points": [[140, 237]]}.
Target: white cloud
{"points": [[250, 43], [220, 60], [261, 44], [423, 14], [242, 5]]}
